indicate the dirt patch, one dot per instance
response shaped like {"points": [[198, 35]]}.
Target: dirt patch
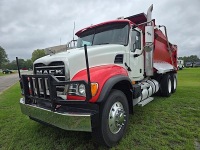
{"points": [[197, 145]]}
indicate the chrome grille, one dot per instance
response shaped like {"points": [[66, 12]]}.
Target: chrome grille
{"points": [[56, 68]]}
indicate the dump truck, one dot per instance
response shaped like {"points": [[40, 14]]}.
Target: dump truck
{"points": [[94, 87], [180, 64]]}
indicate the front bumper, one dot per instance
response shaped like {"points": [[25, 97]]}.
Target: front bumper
{"points": [[67, 120]]}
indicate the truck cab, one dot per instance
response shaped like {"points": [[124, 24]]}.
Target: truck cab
{"points": [[124, 42]]}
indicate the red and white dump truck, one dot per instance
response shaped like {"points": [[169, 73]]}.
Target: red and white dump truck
{"points": [[117, 64]]}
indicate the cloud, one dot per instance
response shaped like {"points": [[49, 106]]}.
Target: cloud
{"points": [[29, 25]]}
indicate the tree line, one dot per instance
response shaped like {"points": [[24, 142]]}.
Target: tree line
{"points": [[23, 64], [191, 58]]}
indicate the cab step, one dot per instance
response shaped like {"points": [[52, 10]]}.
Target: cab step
{"points": [[146, 101]]}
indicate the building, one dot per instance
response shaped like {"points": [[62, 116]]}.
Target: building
{"points": [[56, 49], [197, 64], [61, 48]]}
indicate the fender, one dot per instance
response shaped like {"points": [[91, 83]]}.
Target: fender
{"points": [[100, 75], [108, 86]]}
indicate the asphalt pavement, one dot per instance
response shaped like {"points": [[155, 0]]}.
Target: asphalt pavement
{"points": [[8, 80]]}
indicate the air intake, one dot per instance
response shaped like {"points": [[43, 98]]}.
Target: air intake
{"points": [[119, 59]]}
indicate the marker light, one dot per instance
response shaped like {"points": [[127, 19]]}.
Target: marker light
{"points": [[94, 88]]}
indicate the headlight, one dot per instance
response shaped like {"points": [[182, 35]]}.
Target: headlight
{"points": [[77, 89], [81, 89]]}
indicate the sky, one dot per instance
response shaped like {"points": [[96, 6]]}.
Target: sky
{"points": [[29, 25]]}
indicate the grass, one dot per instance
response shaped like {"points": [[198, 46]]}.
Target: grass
{"points": [[1, 74], [165, 123]]}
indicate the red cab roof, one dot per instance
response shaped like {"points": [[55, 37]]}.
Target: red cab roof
{"points": [[135, 19], [104, 23]]}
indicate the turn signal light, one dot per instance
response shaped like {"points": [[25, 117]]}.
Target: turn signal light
{"points": [[133, 82], [94, 88]]}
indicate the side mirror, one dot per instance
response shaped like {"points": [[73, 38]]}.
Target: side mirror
{"points": [[149, 38]]}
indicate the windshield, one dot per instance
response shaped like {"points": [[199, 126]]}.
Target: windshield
{"points": [[108, 34]]}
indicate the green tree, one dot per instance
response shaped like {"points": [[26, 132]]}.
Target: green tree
{"points": [[13, 64], [28, 64], [192, 58], [23, 64], [37, 54], [3, 57]]}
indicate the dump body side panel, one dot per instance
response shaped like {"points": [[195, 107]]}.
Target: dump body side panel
{"points": [[161, 51]]}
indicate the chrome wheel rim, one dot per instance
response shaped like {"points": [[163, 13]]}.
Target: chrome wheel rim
{"points": [[169, 86], [117, 117], [174, 83]]}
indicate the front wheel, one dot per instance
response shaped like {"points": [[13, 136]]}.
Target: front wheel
{"points": [[114, 119]]}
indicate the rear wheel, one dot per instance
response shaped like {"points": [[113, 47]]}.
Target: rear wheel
{"points": [[174, 82], [114, 119], [166, 85]]}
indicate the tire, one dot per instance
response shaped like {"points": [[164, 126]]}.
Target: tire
{"points": [[114, 115], [166, 85], [174, 82]]}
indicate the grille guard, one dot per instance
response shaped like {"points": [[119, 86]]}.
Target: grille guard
{"points": [[32, 89]]}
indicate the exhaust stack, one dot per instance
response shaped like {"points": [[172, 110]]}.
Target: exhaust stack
{"points": [[149, 43]]}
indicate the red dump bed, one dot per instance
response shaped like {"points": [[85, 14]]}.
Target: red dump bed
{"points": [[161, 51]]}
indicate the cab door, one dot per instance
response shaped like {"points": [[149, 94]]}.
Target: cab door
{"points": [[136, 57]]}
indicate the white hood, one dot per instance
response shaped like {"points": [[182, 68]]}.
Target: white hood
{"points": [[74, 59]]}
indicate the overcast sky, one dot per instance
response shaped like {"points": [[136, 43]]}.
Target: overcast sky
{"points": [[26, 25]]}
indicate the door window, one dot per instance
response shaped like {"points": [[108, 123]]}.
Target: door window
{"points": [[136, 40]]}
